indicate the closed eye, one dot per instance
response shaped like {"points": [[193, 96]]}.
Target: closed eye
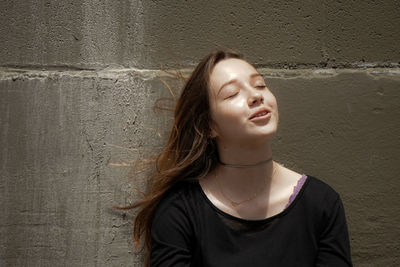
{"points": [[261, 86], [232, 95]]}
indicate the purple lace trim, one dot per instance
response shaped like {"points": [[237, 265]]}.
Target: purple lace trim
{"points": [[296, 189]]}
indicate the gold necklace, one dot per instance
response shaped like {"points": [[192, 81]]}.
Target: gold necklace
{"points": [[237, 203]]}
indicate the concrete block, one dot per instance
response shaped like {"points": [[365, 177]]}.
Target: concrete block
{"points": [[163, 34], [68, 139]]}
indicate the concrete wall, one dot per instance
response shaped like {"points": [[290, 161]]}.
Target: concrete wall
{"points": [[78, 80]]}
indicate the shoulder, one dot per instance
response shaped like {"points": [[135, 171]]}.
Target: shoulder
{"points": [[315, 189], [173, 218], [321, 199], [175, 203], [177, 196], [321, 190], [172, 229]]}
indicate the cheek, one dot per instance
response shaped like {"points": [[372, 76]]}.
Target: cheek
{"points": [[232, 110], [228, 118]]}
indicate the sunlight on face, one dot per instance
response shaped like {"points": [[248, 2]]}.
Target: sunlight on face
{"points": [[242, 107]]}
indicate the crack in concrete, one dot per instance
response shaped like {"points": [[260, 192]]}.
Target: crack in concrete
{"points": [[120, 74]]}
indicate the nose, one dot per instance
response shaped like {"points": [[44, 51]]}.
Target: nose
{"points": [[255, 97]]}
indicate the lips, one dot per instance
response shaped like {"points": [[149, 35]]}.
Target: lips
{"points": [[260, 113]]}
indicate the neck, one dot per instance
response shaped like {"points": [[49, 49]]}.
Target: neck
{"points": [[245, 179], [245, 154]]}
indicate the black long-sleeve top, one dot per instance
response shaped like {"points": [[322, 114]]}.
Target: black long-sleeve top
{"points": [[188, 230]]}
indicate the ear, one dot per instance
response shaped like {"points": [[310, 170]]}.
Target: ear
{"points": [[213, 131]]}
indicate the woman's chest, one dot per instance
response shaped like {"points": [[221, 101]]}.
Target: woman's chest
{"points": [[280, 241]]}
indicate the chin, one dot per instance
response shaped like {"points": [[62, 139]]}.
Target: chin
{"points": [[259, 138], [268, 132]]}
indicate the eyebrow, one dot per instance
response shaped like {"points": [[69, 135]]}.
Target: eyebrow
{"points": [[234, 81]]}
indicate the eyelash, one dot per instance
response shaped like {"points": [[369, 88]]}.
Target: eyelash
{"points": [[258, 86], [231, 95]]}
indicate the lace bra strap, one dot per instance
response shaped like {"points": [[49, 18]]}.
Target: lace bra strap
{"points": [[296, 189]]}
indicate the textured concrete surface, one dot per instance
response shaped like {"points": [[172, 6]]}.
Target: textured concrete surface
{"points": [[66, 136], [79, 80], [156, 34], [73, 34], [61, 135]]}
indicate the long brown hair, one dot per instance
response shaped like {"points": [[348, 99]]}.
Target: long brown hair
{"points": [[190, 152]]}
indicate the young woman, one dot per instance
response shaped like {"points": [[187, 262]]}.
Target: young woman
{"points": [[219, 199]]}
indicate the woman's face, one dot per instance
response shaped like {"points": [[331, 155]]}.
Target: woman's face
{"points": [[243, 109]]}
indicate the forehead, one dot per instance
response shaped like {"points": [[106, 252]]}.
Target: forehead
{"points": [[229, 69]]}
